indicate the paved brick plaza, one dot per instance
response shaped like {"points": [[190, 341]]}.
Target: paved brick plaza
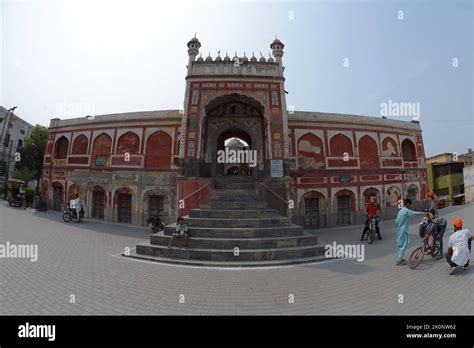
{"points": [[81, 259]]}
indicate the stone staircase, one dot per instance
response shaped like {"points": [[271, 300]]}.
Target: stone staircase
{"points": [[234, 230]]}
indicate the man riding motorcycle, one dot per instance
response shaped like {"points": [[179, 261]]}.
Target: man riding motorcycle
{"points": [[371, 211], [75, 206]]}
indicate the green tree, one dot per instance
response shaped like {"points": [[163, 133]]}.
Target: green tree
{"points": [[31, 154], [24, 174]]}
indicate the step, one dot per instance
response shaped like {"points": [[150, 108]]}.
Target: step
{"points": [[243, 243], [226, 264], [232, 232], [238, 222], [233, 178], [235, 192], [235, 205], [236, 186], [229, 254], [232, 213], [228, 198]]}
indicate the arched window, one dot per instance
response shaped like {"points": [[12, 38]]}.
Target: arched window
{"points": [[158, 151], [80, 144], [339, 145], [366, 196], [389, 147], [368, 153], [408, 150], [128, 143], [393, 196], [61, 148], [310, 152], [101, 149]]}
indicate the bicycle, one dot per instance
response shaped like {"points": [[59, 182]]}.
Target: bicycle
{"points": [[372, 230], [427, 246]]}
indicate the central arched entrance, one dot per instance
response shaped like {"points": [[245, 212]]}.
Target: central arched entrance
{"points": [[234, 141], [235, 122]]}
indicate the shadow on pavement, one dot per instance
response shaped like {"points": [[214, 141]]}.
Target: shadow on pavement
{"points": [[97, 225], [341, 266]]}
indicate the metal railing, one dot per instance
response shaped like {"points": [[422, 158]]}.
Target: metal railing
{"points": [[283, 208], [190, 195]]}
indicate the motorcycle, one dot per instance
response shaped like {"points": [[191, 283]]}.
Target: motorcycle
{"points": [[17, 201], [70, 214], [155, 223]]}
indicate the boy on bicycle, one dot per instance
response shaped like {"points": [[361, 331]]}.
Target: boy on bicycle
{"points": [[371, 211], [437, 225]]}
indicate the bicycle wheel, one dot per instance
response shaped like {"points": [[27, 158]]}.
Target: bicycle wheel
{"points": [[416, 257], [370, 236]]}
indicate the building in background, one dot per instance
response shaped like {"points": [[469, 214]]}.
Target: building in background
{"points": [[446, 178], [13, 131], [128, 166]]}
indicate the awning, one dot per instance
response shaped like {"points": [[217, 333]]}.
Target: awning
{"points": [[460, 195]]}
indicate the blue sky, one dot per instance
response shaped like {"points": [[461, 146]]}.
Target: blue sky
{"points": [[71, 58]]}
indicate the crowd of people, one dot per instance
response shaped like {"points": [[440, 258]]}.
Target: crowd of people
{"points": [[459, 244]]}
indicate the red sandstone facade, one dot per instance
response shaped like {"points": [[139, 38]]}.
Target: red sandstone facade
{"points": [[128, 166]]}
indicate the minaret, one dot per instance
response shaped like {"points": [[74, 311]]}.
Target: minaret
{"points": [[277, 50], [193, 51]]}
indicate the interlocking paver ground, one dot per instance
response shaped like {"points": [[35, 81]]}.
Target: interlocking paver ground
{"points": [[82, 260]]}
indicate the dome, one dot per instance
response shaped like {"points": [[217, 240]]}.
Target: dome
{"points": [[253, 58], [270, 58], [209, 58], [200, 59], [235, 143], [194, 42], [244, 58], [262, 58], [226, 58], [218, 58]]}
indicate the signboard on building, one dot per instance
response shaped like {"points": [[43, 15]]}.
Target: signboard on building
{"points": [[276, 168]]}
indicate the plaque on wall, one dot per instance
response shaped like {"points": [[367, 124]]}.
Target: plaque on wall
{"points": [[345, 179], [101, 160], [276, 168]]}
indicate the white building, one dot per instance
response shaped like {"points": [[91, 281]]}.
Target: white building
{"points": [[13, 131], [468, 174]]}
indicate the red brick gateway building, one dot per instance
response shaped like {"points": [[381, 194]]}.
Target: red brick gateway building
{"points": [[316, 169]]}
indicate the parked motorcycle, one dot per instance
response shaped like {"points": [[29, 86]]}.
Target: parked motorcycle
{"points": [[70, 214], [17, 201], [156, 223]]}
